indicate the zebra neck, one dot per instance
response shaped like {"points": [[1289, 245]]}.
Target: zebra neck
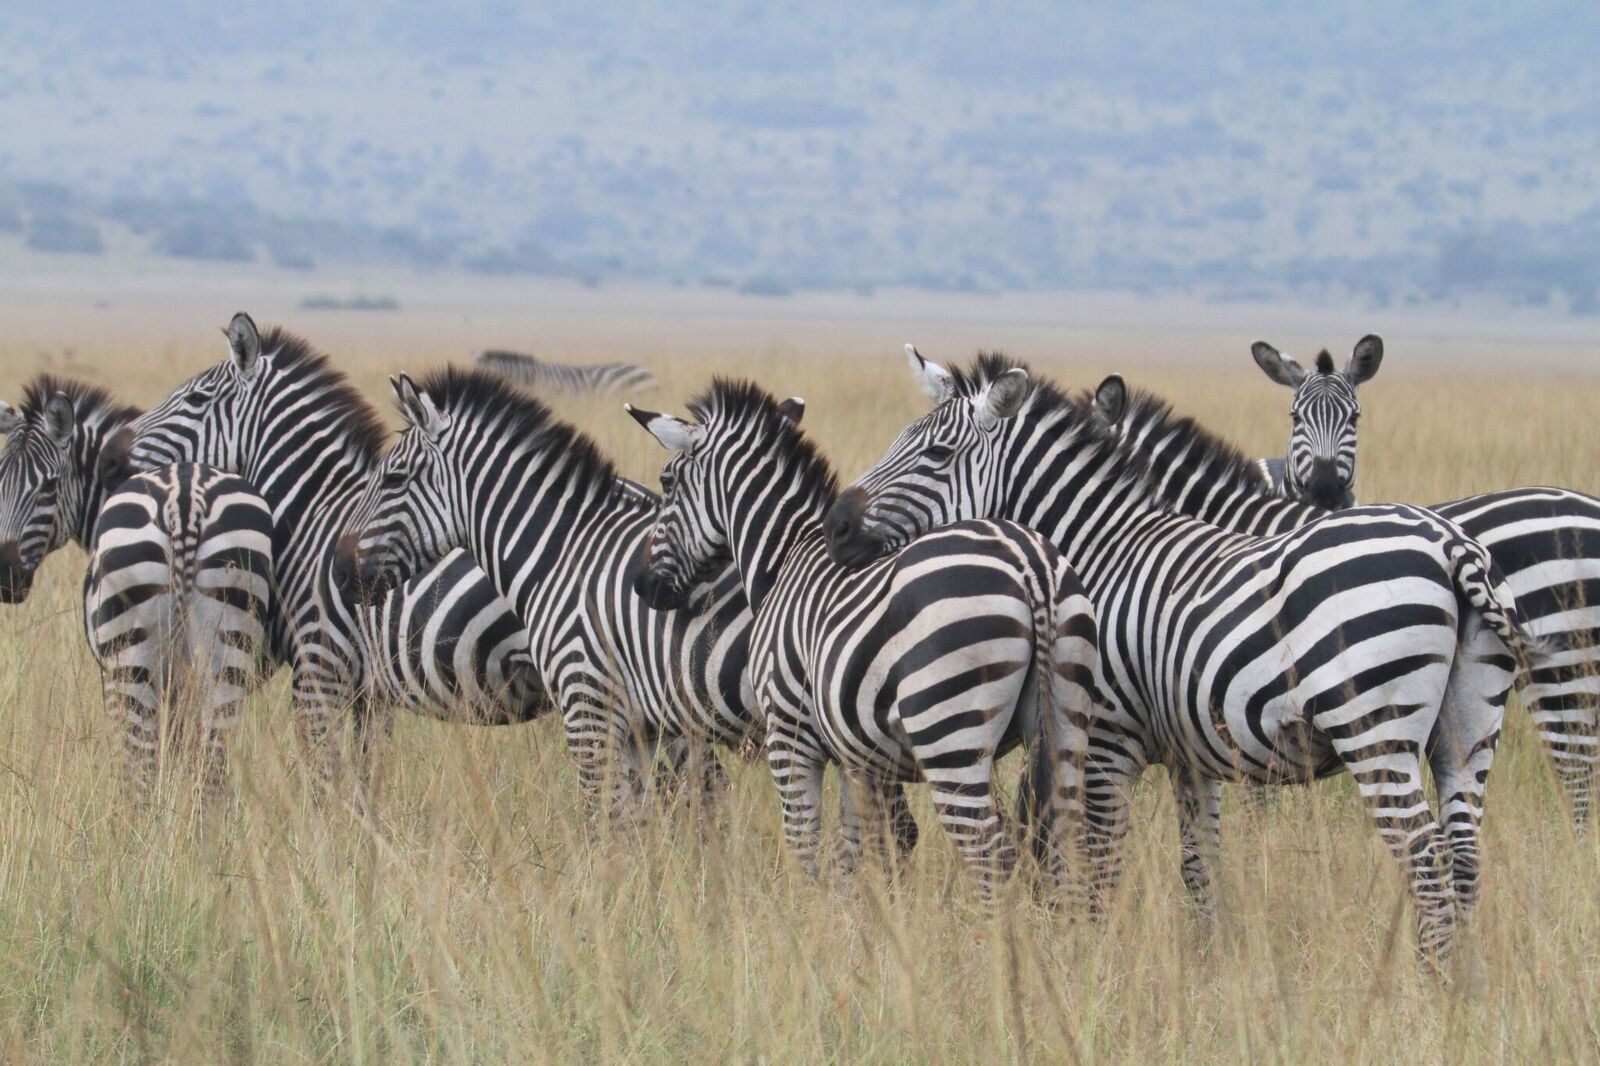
{"points": [[765, 525], [1197, 476], [549, 524], [85, 491]]}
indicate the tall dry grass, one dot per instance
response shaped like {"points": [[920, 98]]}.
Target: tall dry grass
{"points": [[470, 914]]}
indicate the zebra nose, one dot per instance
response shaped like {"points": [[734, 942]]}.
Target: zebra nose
{"points": [[352, 575], [116, 458], [15, 579], [845, 528], [1325, 487]]}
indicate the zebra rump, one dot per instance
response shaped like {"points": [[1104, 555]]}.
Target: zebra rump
{"points": [[538, 375]]}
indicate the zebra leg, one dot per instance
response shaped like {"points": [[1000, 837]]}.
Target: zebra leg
{"points": [[964, 798], [1563, 699], [1199, 828], [874, 818], [1390, 783], [1463, 745], [797, 771], [1115, 762]]}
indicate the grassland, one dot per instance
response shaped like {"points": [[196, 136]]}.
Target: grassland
{"points": [[472, 915]]}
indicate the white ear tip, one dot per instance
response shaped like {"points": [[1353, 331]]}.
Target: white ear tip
{"points": [[912, 353], [628, 407]]}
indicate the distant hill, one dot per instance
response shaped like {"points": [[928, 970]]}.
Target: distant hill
{"points": [[1414, 154]]}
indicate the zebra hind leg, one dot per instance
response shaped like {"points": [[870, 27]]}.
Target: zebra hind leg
{"points": [[969, 810], [875, 822], [1564, 703]]}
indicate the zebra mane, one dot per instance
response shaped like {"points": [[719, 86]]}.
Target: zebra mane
{"points": [[1071, 420], [484, 399], [1149, 420], [91, 403], [743, 401], [1324, 362], [336, 395]]}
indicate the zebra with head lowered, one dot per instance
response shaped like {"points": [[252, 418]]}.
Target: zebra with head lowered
{"points": [[484, 466], [1545, 540], [540, 375], [277, 413], [179, 586], [1374, 640], [928, 665]]}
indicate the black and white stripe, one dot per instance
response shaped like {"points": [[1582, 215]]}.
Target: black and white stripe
{"points": [[179, 583], [928, 665], [1374, 640], [176, 603], [485, 467], [540, 375], [1545, 540], [277, 413]]}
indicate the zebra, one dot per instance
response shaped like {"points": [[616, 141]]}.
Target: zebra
{"points": [[179, 584], [1545, 540], [277, 413], [928, 665], [1370, 640], [1321, 466], [485, 466], [539, 375]]}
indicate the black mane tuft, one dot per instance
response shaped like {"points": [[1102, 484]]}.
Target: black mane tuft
{"points": [[731, 400], [1150, 418], [90, 402], [482, 397], [1324, 362]]}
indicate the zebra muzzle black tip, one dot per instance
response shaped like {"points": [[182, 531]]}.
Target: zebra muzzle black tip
{"points": [[849, 542], [16, 580]]}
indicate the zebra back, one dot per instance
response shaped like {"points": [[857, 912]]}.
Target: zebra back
{"points": [[539, 375]]}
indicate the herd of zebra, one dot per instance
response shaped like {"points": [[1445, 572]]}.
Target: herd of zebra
{"points": [[1089, 578]]}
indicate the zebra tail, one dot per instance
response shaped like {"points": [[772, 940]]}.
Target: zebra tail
{"points": [[1479, 582], [1041, 809]]}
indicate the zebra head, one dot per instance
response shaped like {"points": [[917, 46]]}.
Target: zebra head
{"points": [[204, 419], [732, 450], [1321, 467], [942, 469], [406, 519], [34, 464]]}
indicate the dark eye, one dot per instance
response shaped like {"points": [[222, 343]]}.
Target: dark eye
{"points": [[196, 398], [667, 481], [394, 479], [938, 453]]}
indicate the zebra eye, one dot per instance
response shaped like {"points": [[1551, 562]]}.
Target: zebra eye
{"points": [[196, 398], [667, 481], [938, 453], [394, 479]]}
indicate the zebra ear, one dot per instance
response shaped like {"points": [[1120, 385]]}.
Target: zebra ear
{"points": [[1365, 360], [60, 418], [936, 382], [244, 344], [1002, 399], [1277, 366], [9, 418], [1111, 399], [419, 409], [793, 409], [675, 434]]}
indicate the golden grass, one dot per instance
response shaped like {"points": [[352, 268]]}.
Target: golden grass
{"points": [[474, 916]]}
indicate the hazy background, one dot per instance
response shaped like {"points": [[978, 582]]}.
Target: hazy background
{"points": [[1357, 155]]}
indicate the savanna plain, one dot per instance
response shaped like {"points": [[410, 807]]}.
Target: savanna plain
{"points": [[467, 912]]}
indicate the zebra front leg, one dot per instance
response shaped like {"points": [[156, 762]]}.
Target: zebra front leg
{"points": [[1114, 763], [1199, 826], [797, 771]]}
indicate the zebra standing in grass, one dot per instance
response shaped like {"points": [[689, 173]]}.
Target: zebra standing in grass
{"points": [[279, 415], [1545, 540], [1373, 640], [925, 666], [538, 375], [488, 467], [179, 586]]}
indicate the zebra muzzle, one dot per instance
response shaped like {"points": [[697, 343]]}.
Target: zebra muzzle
{"points": [[16, 580], [850, 543], [356, 575]]}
